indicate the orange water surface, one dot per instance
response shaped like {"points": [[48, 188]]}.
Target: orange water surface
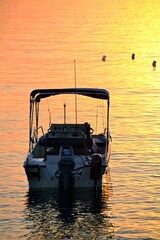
{"points": [[39, 41]]}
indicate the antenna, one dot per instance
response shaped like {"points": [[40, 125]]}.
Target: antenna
{"points": [[64, 113], [97, 116], [75, 79], [49, 113]]}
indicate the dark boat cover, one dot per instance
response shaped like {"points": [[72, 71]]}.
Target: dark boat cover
{"points": [[37, 94]]}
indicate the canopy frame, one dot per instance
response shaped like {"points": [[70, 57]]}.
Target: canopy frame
{"points": [[38, 94]]}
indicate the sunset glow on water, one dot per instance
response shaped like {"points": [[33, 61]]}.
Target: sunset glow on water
{"points": [[39, 42]]}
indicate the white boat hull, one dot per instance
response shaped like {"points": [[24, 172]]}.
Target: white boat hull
{"points": [[42, 175]]}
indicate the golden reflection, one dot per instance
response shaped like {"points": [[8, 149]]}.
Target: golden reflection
{"points": [[39, 42], [70, 215]]}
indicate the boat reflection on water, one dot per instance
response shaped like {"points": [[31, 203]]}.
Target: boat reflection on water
{"points": [[65, 215]]}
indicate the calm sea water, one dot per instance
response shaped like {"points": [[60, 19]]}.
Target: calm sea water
{"points": [[39, 41]]}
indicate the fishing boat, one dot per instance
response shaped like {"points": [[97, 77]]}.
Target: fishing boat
{"points": [[67, 155]]}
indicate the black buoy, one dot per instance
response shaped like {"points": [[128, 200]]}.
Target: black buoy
{"points": [[104, 58], [133, 56], [154, 64]]}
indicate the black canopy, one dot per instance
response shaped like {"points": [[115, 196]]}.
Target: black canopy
{"points": [[37, 94]]}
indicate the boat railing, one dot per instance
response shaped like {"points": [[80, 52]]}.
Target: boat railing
{"points": [[35, 134]]}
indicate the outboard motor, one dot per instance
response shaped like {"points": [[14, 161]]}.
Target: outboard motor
{"points": [[66, 166], [96, 164]]}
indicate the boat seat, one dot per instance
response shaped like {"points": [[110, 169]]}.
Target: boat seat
{"points": [[79, 145]]}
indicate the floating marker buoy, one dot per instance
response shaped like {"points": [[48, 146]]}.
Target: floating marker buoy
{"points": [[133, 56], [104, 58], [154, 64]]}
